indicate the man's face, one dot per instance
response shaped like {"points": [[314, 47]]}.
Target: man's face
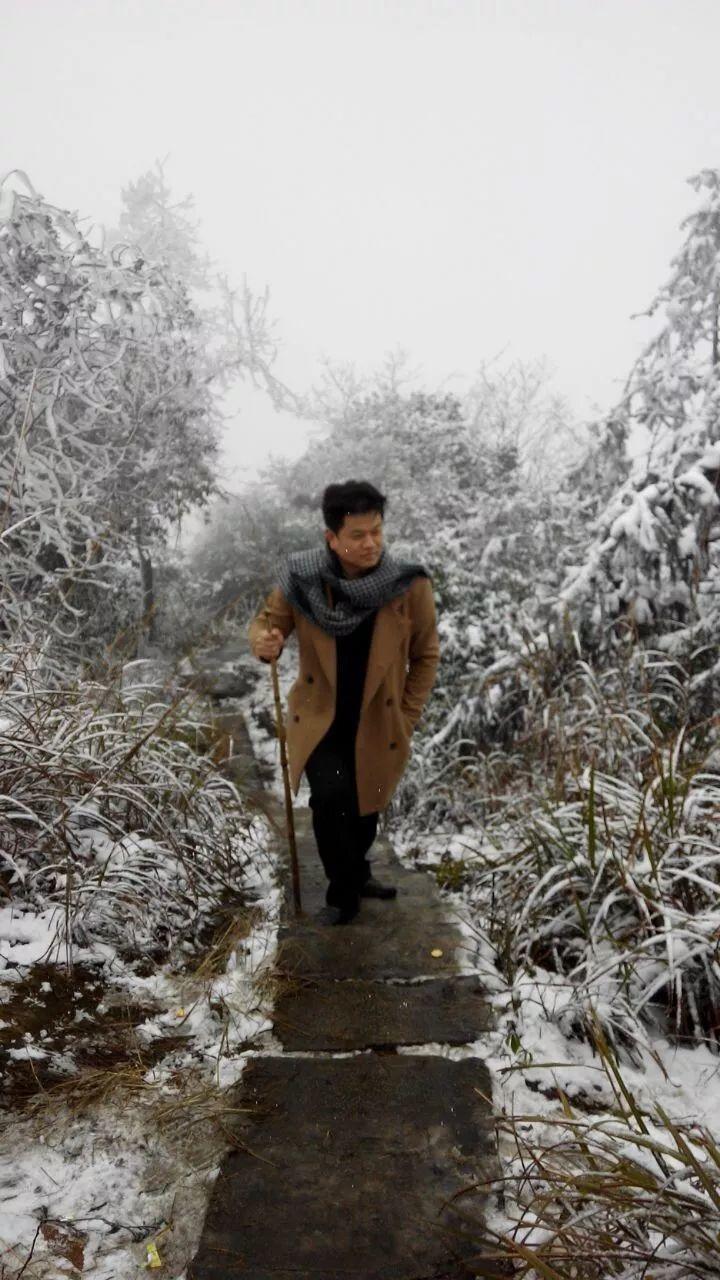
{"points": [[359, 542]]}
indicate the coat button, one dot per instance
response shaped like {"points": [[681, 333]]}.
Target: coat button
{"points": [[310, 679], [388, 701], [296, 717], [393, 744]]}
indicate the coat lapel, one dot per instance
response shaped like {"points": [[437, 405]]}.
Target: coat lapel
{"points": [[326, 652], [386, 639]]}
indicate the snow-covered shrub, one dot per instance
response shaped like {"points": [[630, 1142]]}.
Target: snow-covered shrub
{"points": [[110, 820], [110, 817], [652, 567], [614, 553], [606, 867]]}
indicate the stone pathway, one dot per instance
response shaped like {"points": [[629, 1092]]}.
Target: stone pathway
{"points": [[365, 1165]]}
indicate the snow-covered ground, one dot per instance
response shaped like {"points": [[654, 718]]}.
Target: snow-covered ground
{"points": [[106, 1184], [114, 1185], [538, 1067], [115, 1171]]}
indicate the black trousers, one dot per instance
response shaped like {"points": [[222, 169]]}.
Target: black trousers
{"points": [[343, 837]]}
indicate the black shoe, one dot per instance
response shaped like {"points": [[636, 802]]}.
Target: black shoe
{"points": [[373, 889], [330, 914]]}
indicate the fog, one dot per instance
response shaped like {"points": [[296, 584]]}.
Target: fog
{"points": [[465, 181]]}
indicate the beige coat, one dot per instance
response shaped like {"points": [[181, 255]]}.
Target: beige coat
{"points": [[402, 665]]}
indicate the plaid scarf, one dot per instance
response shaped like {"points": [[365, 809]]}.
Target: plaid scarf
{"points": [[302, 577]]}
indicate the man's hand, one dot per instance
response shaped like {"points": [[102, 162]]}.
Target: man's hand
{"points": [[269, 645]]}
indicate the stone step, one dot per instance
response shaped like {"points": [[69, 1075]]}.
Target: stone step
{"points": [[374, 1166], [341, 1016], [392, 938], [348, 1167], [234, 753]]}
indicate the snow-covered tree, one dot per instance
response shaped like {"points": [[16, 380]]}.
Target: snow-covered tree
{"points": [[166, 230], [652, 569], [239, 338], [519, 417], [461, 501], [226, 569], [108, 427], [413, 446]]}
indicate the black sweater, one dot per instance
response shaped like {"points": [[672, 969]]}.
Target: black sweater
{"points": [[352, 659]]}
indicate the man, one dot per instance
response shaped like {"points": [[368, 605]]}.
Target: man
{"points": [[369, 651]]}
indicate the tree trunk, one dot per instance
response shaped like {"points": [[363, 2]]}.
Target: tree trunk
{"points": [[147, 581]]}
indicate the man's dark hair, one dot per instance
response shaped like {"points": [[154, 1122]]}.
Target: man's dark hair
{"points": [[353, 498]]}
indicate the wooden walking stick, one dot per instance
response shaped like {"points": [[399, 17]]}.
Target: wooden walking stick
{"points": [[286, 781]]}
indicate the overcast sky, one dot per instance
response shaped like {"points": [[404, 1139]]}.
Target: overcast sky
{"points": [[458, 179]]}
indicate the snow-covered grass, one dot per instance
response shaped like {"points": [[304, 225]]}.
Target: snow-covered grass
{"points": [[115, 1161], [608, 873], [592, 893], [629, 1191], [126, 854], [600, 851], [610, 1160], [112, 824]]}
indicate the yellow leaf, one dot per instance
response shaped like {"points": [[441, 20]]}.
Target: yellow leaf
{"points": [[436, 951], [153, 1257]]}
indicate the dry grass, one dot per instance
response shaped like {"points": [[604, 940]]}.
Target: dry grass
{"points": [[629, 1194]]}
